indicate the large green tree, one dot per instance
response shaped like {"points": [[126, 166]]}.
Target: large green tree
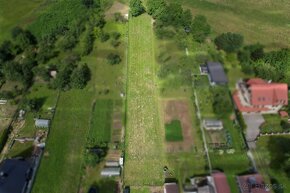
{"points": [[200, 29], [229, 42], [136, 8], [80, 76], [156, 7]]}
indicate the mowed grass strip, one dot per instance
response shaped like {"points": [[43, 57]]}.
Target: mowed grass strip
{"points": [[173, 131], [101, 120], [60, 167], [145, 155]]}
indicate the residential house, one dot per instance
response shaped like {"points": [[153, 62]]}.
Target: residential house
{"points": [[252, 183], [216, 73], [15, 175], [258, 95], [221, 183]]}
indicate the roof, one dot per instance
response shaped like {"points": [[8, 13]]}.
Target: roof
{"points": [[283, 114], [221, 183], [171, 188], [217, 73], [256, 81], [269, 94], [111, 171], [42, 122], [212, 123], [14, 175], [253, 183]]}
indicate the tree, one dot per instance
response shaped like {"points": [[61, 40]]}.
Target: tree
{"points": [[113, 59], [6, 52], [80, 77], [23, 38], [222, 105], [88, 3], [136, 8], [156, 8], [200, 29], [256, 51], [63, 77], [229, 42], [187, 18], [88, 43], [266, 71]]}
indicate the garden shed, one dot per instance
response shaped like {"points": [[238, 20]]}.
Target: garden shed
{"points": [[42, 123]]}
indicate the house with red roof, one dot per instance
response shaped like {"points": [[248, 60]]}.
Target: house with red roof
{"points": [[252, 183], [258, 95], [220, 183]]}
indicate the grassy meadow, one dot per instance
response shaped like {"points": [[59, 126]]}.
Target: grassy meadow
{"points": [[266, 22], [144, 131], [22, 13]]}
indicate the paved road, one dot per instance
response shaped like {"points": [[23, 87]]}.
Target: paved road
{"points": [[253, 122]]}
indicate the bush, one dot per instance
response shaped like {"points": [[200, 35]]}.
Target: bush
{"points": [[200, 29], [104, 37], [116, 35], [136, 8], [113, 59], [115, 43], [229, 42]]}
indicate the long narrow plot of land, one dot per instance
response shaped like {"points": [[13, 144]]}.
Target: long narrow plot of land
{"points": [[145, 155]]}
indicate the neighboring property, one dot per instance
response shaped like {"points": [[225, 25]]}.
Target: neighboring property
{"points": [[212, 124], [221, 183], [15, 175], [216, 183], [171, 188], [111, 171], [216, 73], [258, 95], [253, 183], [42, 123]]}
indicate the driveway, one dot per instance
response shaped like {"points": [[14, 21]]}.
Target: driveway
{"points": [[253, 122]]}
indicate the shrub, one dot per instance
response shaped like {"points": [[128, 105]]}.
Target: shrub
{"points": [[229, 42], [113, 59]]}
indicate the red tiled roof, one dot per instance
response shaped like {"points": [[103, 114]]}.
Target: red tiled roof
{"points": [[256, 81], [252, 183], [246, 108], [269, 94], [221, 184], [283, 114]]}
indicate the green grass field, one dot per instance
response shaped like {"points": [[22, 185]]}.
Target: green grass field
{"points": [[101, 119], [173, 131], [272, 124], [15, 12], [145, 156], [266, 22], [263, 159]]}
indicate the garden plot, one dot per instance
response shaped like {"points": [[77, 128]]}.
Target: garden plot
{"points": [[177, 116]]}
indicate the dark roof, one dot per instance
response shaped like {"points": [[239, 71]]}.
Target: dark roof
{"points": [[171, 188], [217, 73], [14, 175]]}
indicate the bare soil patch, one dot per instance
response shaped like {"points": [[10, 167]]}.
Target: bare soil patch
{"points": [[179, 110], [117, 7]]}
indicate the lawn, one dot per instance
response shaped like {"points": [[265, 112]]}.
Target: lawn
{"points": [[64, 149], [173, 131], [15, 12], [145, 157], [263, 156], [101, 119], [266, 22], [272, 124]]}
